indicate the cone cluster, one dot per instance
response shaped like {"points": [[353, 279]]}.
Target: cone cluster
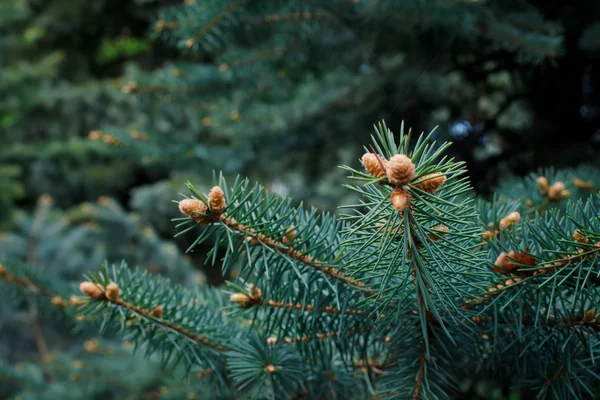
{"points": [[246, 300], [400, 171], [555, 192], [199, 210]]}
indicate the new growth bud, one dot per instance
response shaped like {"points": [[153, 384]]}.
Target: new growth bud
{"points": [[157, 312], [193, 208], [400, 170], [400, 199], [247, 300], [216, 199], [542, 185], [432, 182], [374, 165], [558, 192], [290, 234], [91, 289], [112, 292], [510, 220]]}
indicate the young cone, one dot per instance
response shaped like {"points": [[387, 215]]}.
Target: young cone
{"points": [[193, 208], [401, 170], [431, 182], [400, 199], [374, 165], [112, 292], [216, 198], [90, 289]]}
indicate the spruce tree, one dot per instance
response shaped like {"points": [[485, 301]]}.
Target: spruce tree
{"points": [[417, 291]]}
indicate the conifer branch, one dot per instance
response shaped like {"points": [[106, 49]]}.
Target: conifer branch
{"points": [[105, 294]]}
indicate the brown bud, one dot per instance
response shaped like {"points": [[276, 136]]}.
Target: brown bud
{"points": [[157, 312], [432, 182], [511, 261], [542, 183], [290, 234], [91, 289], [400, 170], [91, 345], [439, 232], [216, 199], [489, 235], [581, 184], [76, 301], [589, 315], [271, 340], [510, 220], [3, 271], [245, 300], [579, 237], [557, 191], [374, 165], [58, 301], [193, 208], [400, 199], [271, 369], [112, 292]]}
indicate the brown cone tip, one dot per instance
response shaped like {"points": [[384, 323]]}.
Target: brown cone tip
{"points": [[400, 170], [542, 183], [511, 219], [157, 312], [216, 198], [374, 165], [556, 190], [431, 183], [112, 292], [190, 207], [400, 199], [91, 289]]}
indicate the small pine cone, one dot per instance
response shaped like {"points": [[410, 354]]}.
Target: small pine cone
{"points": [[400, 170], [216, 199], [557, 191], [91, 289], [112, 292], [400, 199], [157, 312], [374, 165], [510, 220], [579, 237], [432, 182], [193, 208], [542, 183]]}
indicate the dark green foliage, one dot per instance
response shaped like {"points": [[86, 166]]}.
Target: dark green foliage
{"points": [[107, 108]]}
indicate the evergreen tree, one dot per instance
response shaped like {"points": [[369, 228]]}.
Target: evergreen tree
{"points": [[416, 287]]}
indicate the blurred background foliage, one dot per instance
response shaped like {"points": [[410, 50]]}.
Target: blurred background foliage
{"points": [[108, 107]]}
